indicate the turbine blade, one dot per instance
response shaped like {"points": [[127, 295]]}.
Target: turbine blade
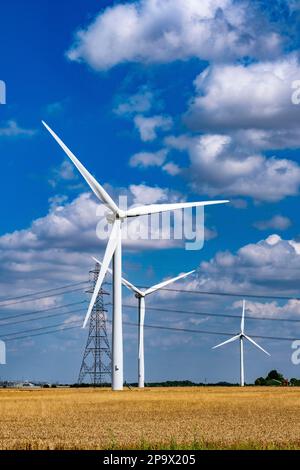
{"points": [[97, 189], [100, 262], [243, 318], [227, 341], [165, 283], [124, 281], [132, 287], [154, 208], [257, 345], [110, 249]]}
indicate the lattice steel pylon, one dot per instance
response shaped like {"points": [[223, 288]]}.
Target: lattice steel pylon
{"points": [[96, 362]]}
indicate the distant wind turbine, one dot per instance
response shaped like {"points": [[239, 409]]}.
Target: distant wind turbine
{"points": [[140, 295], [114, 251], [241, 337], [2, 352]]}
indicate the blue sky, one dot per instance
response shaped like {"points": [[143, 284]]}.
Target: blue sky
{"points": [[161, 101]]}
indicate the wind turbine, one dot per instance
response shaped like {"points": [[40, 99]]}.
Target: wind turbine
{"points": [[140, 295], [114, 251], [241, 337], [2, 352]]}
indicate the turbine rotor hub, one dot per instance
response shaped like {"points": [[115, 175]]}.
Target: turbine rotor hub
{"points": [[111, 217]]}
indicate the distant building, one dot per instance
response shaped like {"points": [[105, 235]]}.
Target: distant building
{"points": [[25, 385]]}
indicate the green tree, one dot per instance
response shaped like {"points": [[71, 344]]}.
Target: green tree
{"points": [[274, 375], [260, 381], [295, 382]]}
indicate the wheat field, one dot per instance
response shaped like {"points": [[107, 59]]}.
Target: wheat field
{"points": [[153, 418]]}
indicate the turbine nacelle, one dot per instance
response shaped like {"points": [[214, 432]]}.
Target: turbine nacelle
{"points": [[112, 217], [139, 296]]}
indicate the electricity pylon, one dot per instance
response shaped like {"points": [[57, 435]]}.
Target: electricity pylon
{"points": [[96, 362]]}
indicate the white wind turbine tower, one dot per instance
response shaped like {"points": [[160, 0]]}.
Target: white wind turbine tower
{"points": [[114, 251], [140, 295], [241, 337], [2, 352]]}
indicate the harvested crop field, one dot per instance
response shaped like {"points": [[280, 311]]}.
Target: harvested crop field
{"points": [[153, 418]]}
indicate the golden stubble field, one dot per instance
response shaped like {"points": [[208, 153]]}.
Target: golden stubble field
{"points": [[169, 418]]}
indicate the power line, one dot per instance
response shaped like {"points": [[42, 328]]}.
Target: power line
{"points": [[172, 311], [36, 329], [133, 307], [229, 294], [41, 298], [42, 310], [184, 291], [40, 334], [42, 292], [209, 314], [8, 299], [43, 317], [226, 294], [158, 327], [190, 330]]}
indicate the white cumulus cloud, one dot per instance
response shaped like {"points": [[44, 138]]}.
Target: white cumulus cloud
{"points": [[270, 266], [155, 31], [219, 166], [13, 129], [139, 102], [148, 126], [255, 97], [146, 159], [277, 222], [56, 249]]}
